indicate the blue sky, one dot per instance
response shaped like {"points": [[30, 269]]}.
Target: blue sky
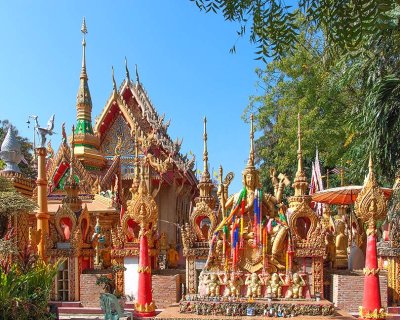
{"points": [[183, 59]]}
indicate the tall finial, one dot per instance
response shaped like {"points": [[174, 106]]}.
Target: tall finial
{"points": [[84, 32], [128, 78], [113, 79], [251, 154], [299, 151], [205, 152], [137, 74], [71, 172], [370, 165]]}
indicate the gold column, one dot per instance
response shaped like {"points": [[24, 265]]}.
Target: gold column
{"points": [[42, 216]]}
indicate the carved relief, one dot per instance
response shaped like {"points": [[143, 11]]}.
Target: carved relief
{"points": [[65, 222], [117, 139]]}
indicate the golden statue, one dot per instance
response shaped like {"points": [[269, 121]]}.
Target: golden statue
{"points": [[233, 285], [241, 205], [212, 283], [295, 291], [341, 246], [253, 284], [275, 286], [172, 256]]}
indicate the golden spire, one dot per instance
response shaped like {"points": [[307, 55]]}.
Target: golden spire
{"points": [[250, 162], [300, 183], [300, 168], [84, 101], [128, 78], [71, 172], [205, 152], [84, 31], [113, 79]]}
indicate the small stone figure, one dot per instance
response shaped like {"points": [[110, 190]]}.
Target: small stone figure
{"points": [[253, 284], [233, 285], [212, 284], [275, 286], [296, 289]]}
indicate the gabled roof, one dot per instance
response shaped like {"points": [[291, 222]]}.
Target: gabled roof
{"points": [[60, 166], [132, 101]]}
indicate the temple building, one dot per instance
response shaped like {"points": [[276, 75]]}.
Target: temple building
{"points": [[89, 179]]}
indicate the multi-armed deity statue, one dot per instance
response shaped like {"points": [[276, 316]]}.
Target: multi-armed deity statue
{"points": [[250, 237]]}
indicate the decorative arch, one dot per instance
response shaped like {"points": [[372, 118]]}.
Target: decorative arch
{"points": [[201, 211], [65, 222]]}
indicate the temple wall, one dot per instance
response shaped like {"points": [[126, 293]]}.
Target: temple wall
{"points": [[167, 213], [348, 287], [131, 276], [90, 291]]}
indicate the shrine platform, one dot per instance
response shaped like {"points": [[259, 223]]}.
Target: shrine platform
{"points": [[230, 307], [173, 313]]}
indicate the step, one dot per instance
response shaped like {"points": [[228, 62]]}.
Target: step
{"points": [[72, 304]]}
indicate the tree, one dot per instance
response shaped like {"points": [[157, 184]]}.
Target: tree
{"points": [[275, 28], [301, 83], [27, 168], [12, 202]]}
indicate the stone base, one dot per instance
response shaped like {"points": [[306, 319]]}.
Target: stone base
{"points": [[194, 304], [173, 313]]}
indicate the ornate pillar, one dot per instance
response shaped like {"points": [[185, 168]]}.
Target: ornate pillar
{"points": [[370, 206], [143, 209], [144, 306], [42, 216], [191, 276]]}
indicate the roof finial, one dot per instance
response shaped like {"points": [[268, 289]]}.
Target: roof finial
{"points": [[250, 162], [205, 152], [370, 165], [128, 78], [137, 74], [113, 79], [299, 151], [84, 32]]}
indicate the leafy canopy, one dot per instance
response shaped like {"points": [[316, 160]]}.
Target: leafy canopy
{"points": [[275, 28]]}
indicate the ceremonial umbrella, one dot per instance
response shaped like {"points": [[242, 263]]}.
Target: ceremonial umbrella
{"points": [[343, 195]]}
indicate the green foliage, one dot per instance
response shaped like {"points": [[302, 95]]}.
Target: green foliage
{"points": [[275, 27], [25, 286], [349, 106], [27, 168], [300, 83], [12, 202]]}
